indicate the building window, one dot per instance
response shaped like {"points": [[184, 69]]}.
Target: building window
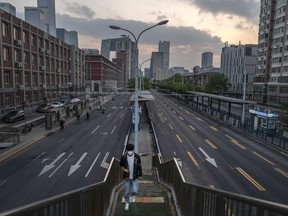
{"points": [[5, 29], [8, 101], [7, 77], [34, 79], [17, 55], [5, 54], [26, 78], [25, 37], [17, 78], [16, 33], [34, 59], [33, 40], [26, 57]]}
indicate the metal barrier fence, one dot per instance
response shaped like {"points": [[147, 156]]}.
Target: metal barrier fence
{"points": [[9, 138], [93, 200], [195, 200]]}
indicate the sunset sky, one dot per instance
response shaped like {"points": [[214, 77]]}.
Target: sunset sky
{"points": [[195, 26]]}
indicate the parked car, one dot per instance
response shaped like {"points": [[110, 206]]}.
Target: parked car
{"points": [[64, 101], [45, 107], [14, 116], [75, 100], [57, 104]]}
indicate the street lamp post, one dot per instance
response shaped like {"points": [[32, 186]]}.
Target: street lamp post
{"points": [[136, 74], [141, 76]]}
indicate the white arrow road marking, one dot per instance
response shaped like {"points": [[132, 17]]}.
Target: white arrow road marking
{"points": [[95, 129], [73, 168], [60, 165], [113, 129], [50, 166], [208, 158], [104, 164], [92, 164]]}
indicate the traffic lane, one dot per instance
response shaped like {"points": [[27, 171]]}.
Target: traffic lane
{"points": [[52, 178], [238, 168], [260, 160]]}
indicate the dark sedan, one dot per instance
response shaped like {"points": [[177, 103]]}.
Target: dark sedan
{"points": [[42, 108], [14, 116]]}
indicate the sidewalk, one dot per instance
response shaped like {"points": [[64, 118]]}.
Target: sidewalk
{"points": [[153, 199], [38, 132]]}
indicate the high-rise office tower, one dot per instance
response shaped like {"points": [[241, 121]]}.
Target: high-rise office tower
{"points": [[164, 47], [207, 60], [48, 7]]}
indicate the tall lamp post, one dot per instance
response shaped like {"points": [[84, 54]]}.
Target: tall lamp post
{"points": [[136, 74], [142, 77]]}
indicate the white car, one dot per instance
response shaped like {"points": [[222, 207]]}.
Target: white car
{"points": [[57, 104], [75, 100]]}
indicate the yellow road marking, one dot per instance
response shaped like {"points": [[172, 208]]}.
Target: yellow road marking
{"points": [[238, 144], [284, 153], [171, 127], [192, 127], [180, 140], [213, 128], [181, 118], [229, 137], [199, 118], [282, 172], [210, 143], [193, 159], [250, 179], [262, 157]]}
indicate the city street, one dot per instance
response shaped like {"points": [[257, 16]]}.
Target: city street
{"points": [[215, 155]]}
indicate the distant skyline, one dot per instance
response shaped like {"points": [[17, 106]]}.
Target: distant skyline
{"points": [[195, 26]]}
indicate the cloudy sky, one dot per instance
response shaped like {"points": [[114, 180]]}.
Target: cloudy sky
{"points": [[195, 26]]}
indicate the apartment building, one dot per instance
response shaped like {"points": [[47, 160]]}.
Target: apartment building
{"points": [[271, 78], [238, 64], [35, 66]]}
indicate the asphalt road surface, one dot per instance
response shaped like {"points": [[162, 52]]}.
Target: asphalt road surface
{"points": [[216, 155]]}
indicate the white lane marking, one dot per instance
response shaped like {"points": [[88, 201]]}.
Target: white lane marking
{"points": [[109, 115], [121, 116], [50, 166], [208, 158], [95, 129], [73, 168], [113, 129], [60, 140], [104, 164], [92, 164], [60, 165], [2, 182], [39, 156]]}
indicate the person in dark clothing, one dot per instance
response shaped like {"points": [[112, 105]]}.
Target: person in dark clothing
{"points": [[62, 122], [87, 115], [130, 164]]}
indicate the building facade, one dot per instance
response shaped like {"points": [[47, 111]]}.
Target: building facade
{"points": [[102, 75], [271, 78], [35, 66], [238, 62], [207, 60]]}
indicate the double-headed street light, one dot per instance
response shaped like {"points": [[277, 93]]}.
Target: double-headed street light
{"points": [[136, 123]]}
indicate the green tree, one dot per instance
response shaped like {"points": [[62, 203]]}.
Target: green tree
{"points": [[283, 114], [217, 83]]}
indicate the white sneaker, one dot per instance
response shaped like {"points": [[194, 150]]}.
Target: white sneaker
{"points": [[126, 207], [133, 199]]}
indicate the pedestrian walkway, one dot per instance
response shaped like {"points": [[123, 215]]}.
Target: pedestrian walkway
{"points": [[153, 198], [38, 132]]}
